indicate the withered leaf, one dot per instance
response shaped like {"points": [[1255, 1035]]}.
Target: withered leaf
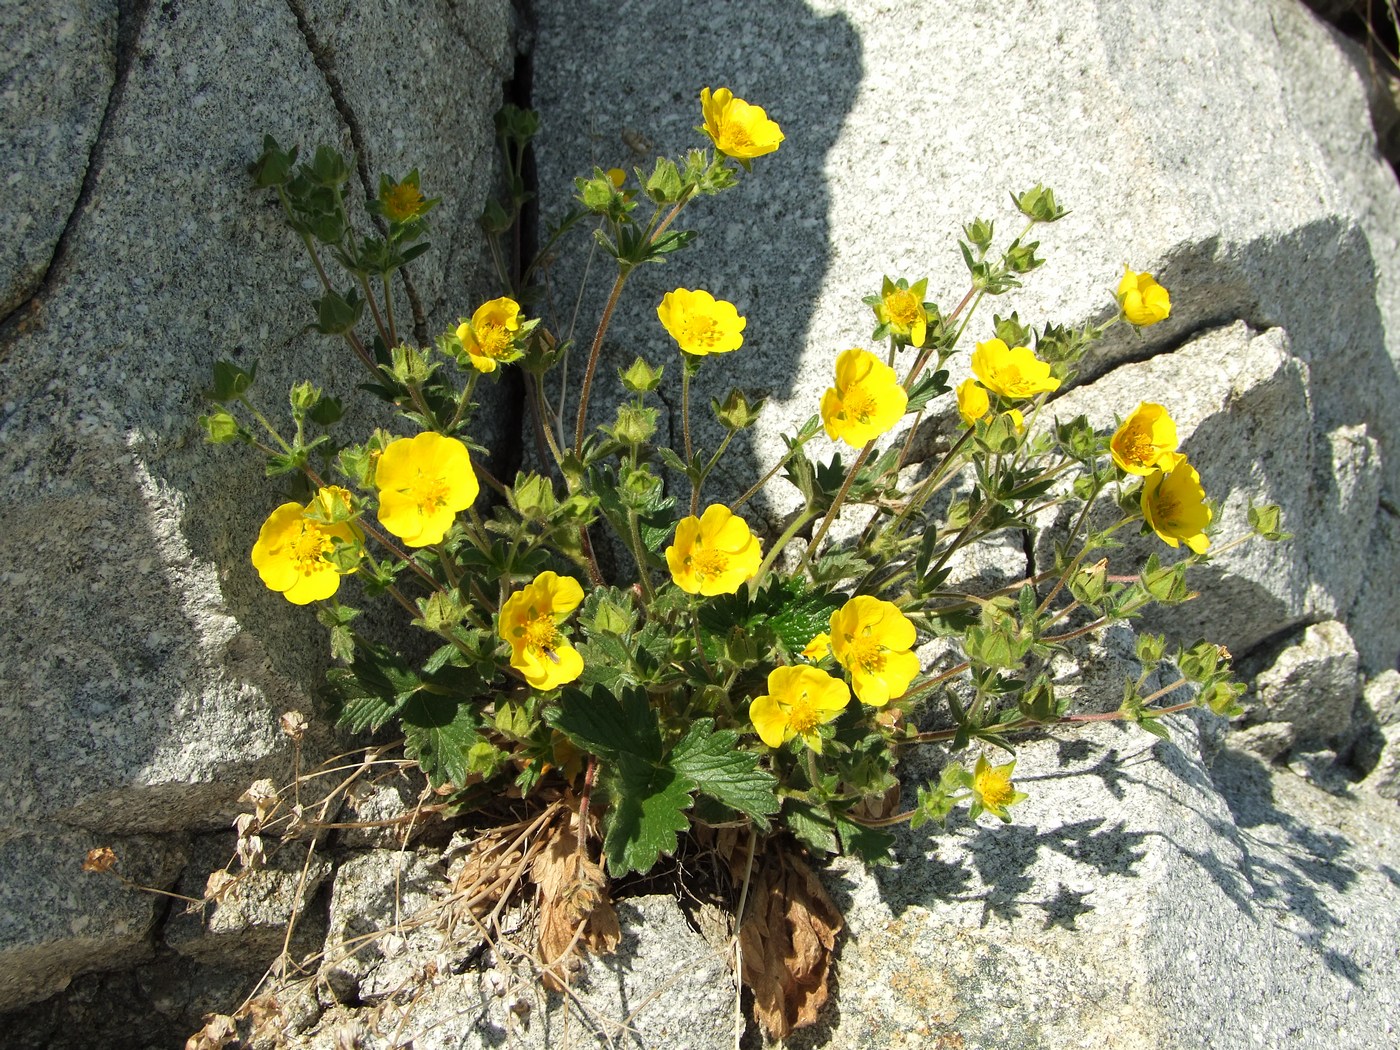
{"points": [[787, 937], [575, 912]]}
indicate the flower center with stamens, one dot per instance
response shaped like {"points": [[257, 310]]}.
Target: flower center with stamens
{"points": [[540, 632], [494, 340], [308, 548], [867, 654], [994, 786], [430, 493], [802, 716], [708, 564], [701, 331], [1138, 448], [902, 307], [859, 404]]}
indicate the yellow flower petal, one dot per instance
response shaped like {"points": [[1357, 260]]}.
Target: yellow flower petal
{"points": [[866, 402], [715, 553], [1174, 507], [1143, 301], [873, 640], [1012, 372], [701, 324], [738, 129], [423, 483], [973, 403], [1145, 442]]}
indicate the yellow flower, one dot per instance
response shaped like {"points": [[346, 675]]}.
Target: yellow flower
{"points": [[402, 201], [817, 648], [423, 482], [901, 309], [489, 338], [530, 622], [799, 699], [866, 401], [700, 323], [738, 129], [1142, 300], [290, 554], [872, 640], [973, 403], [1012, 372], [714, 553], [617, 177], [992, 789], [1174, 506], [1146, 441]]}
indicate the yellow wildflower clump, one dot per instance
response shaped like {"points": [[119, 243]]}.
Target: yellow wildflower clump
{"points": [[1014, 373], [1142, 300], [423, 483], [866, 401], [799, 699], [1146, 441], [738, 129], [715, 553], [1175, 508], [701, 324], [992, 789], [873, 640], [490, 337], [530, 622], [292, 546]]}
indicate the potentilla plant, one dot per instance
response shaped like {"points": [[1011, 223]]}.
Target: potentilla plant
{"points": [[723, 678]]}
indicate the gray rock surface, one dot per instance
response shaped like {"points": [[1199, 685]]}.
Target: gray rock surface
{"points": [[1141, 899], [56, 75], [144, 666], [1312, 686]]}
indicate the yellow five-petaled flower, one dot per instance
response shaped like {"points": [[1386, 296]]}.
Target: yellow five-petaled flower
{"points": [[530, 622], [292, 547], [866, 401], [1146, 441], [901, 310], [1142, 300], [1013, 372], [715, 553], [993, 790], [738, 129], [423, 482], [799, 699], [873, 640], [701, 324], [489, 338], [1174, 506]]}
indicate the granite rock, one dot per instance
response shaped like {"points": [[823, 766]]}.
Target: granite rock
{"points": [[144, 665]]}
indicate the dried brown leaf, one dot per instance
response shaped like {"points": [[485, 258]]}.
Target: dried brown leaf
{"points": [[575, 911], [101, 859], [788, 936], [219, 1030]]}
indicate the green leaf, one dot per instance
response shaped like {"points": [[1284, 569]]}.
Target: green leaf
{"points": [[724, 771], [649, 803], [926, 389], [871, 845], [607, 724], [439, 733], [372, 689], [812, 826]]}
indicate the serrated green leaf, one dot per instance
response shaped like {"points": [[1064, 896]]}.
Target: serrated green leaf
{"points": [[812, 826], [871, 845], [724, 771], [607, 662], [439, 733], [607, 724], [649, 803]]}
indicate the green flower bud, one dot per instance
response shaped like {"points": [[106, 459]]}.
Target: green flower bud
{"points": [[533, 497], [1039, 204], [979, 233], [737, 412], [220, 428], [640, 377], [304, 396]]}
